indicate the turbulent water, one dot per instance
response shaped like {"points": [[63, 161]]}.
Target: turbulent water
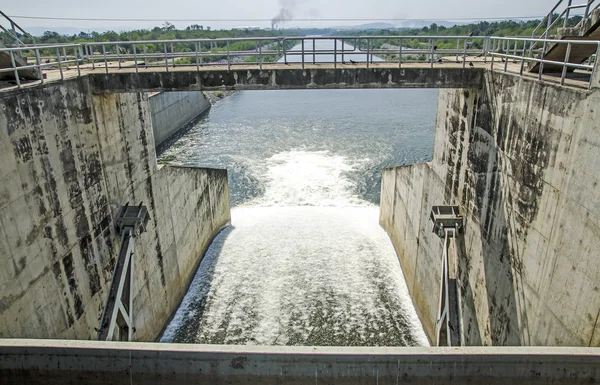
{"points": [[304, 261]]}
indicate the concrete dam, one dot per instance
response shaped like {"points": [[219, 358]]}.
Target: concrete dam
{"points": [[513, 156]]}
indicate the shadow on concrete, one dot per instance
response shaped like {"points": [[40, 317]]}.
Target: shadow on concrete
{"points": [[470, 325], [493, 204], [194, 302]]}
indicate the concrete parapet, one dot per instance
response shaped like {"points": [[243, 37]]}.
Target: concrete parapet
{"points": [[281, 79], [59, 362]]}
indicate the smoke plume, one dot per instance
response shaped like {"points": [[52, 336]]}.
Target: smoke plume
{"points": [[286, 12]]}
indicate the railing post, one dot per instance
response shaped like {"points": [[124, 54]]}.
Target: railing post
{"points": [[228, 58], [486, 48], [541, 66], [314, 51], [284, 51], [368, 49], [465, 55], [400, 55], [197, 58], [506, 55], [587, 12], [567, 13], [172, 55], [334, 54], [62, 76], [105, 60], [118, 56], [166, 58], [432, 45], [457, 48], [493, 52], [260, 59], [343, 60], [564, 70], [14, 66], [523, 57], [200, 52], [39, 63], [90, 55], [595, 77], [77, 60], [302, 53], [135, 59]]}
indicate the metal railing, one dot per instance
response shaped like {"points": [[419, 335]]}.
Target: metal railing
{"points": [[550, 20], [54, 55], [199, 52], [14, 30], [518, 50], [303, 51]]}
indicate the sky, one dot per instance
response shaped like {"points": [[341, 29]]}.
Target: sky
{"points": [[219, 14]]}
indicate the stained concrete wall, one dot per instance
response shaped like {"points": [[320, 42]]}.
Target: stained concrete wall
{"points": [[172, 110], [68, 160], [520, 158], [92, 362], [287, 77]]}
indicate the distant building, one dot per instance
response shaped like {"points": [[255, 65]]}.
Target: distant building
{"points": [[247, 28]]}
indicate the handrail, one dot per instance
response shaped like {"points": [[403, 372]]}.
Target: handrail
{"points": [[167, 54], [565, 64], [15, 27], [549, 23]]}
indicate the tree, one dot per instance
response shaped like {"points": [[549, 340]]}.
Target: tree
{"points": [[433, 27], [168, 26]]}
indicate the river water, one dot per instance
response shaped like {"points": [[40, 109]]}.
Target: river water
{"points": [[305, 261]]}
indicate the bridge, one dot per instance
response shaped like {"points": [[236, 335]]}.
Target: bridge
{"points": [[299, 63]]}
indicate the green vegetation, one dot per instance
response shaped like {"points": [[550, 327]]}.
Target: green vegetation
{"points": [[195, 31]]}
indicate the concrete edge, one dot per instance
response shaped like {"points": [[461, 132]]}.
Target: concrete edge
{"points": [[541, 351]]}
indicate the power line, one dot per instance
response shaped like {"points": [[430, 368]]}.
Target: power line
{"points": [[269, 20]]}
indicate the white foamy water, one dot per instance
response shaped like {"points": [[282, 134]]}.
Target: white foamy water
{"points": [[306, 263], [305, 178]]}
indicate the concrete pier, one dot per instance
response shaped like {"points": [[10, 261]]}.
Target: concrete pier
{"points": [[69, 159], [519, 158]]}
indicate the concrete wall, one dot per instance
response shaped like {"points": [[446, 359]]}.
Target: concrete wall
{"points": [[520, 158], [59, 362], [172, 110], [287, 77], [68, 160]]}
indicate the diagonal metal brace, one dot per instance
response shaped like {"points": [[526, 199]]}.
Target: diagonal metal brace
{"points": [[116, 322]]}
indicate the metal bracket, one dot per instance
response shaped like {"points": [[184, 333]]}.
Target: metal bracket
{"points": [[447, 224], [117, 315]]}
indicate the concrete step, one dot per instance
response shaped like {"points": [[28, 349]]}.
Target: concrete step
{"points": [[5, 62]]}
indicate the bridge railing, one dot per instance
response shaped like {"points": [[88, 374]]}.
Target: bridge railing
{"points": [[183, 52], [386, 49], [520, 51], [305, 51], [42, 57]]}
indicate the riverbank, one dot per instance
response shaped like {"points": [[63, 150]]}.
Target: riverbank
{"points": [[216, 96]]}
